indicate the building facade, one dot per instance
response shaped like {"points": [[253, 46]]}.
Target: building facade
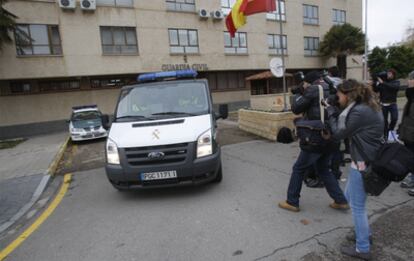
{"points": [[66, 57]]}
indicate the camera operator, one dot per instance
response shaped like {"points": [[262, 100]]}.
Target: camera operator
{"points": [[307, 102], [388, 89]]}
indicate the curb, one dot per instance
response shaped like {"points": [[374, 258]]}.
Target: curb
{"points": [[40, 188], [53, 166]]}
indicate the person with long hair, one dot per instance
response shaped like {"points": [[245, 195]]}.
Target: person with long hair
{"points": [[362, 122]]}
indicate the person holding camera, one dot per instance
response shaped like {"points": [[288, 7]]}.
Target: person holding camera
{"points": [[307, 102], [362, 122], [406, 129], [388, 88]]}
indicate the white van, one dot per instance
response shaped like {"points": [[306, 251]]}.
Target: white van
{"points": [[164, 133]]}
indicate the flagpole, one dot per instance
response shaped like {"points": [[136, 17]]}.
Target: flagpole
{"points": [[285, 109]]}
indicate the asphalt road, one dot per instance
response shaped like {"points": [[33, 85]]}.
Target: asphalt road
{"points": [[237, 219]]}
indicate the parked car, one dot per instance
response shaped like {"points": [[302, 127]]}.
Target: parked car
{"points": [[164, 133], [86, 123]]}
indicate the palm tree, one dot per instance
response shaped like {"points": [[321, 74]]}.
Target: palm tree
{"points": [[7, 24], [341, 41]]}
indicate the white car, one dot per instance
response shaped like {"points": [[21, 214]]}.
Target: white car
{"points": [[86, 123]]}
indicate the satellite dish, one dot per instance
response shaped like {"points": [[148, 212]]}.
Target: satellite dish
{"points": [[276, 67]]}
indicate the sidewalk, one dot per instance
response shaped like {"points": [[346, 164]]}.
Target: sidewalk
{"points": [[24, 173]]}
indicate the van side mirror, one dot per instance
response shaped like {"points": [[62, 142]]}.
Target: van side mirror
{"points": [[105, 121], [223, 112], [67, 121]]}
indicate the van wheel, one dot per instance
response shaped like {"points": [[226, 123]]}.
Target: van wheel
{"points": [[219, 176]]}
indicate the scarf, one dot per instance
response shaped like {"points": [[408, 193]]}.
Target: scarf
{"points": [[343, 116]]}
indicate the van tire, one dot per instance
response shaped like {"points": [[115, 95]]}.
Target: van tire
{"points": [[219, 176]]}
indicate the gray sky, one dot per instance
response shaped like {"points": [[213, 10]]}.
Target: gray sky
{"points": [[388, 20]]}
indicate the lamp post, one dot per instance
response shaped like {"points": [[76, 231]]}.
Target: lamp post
{"points": [[279, 7], [366, 43]]}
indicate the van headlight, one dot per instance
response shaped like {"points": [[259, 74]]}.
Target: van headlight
{"points": [[205, 144], [112, 154]]}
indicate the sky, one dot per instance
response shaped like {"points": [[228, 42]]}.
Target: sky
{"points": [[388, 20]]}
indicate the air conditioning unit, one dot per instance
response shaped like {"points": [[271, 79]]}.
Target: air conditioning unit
{"points": [[217, 15], [67, 4], [88, 5], [203, 14]]}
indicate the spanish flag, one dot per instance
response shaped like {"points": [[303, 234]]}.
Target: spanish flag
{"points": [[243, 8]]}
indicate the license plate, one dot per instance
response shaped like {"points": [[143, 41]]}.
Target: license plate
{"points": [[159, 175]]}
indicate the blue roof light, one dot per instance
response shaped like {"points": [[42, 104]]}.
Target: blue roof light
{"points": [[148, 77]]}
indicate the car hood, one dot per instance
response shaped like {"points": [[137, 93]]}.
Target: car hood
{"points": [[80, 124], [162, 132]]}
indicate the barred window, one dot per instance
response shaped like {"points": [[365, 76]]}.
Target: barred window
{"points": [[235, 45], [119, 40], [110, 82], [183, 41], [279, 13], [311, 46], [37, 39], [47, 86], [181, 5], [273, 41], [310, 14], [120, 3], [20, 87], [338, 16]]}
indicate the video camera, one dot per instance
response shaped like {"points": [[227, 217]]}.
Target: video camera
{"points": [[382, 75], [299, 77]]}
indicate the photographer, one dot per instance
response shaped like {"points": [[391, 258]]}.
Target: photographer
{"points": [[308, 103], [362, 122], [388, 88], [406, 129]]}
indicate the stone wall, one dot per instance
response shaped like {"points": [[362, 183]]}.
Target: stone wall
{"points": [[265, 124]]}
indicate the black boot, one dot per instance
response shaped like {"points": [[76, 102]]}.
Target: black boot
{"points": [[351, 251]]}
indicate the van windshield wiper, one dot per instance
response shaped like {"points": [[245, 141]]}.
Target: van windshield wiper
{"points": [[135, 117], [174, 113]]}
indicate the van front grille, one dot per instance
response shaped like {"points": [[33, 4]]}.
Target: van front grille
{"points": [[163, 154]]}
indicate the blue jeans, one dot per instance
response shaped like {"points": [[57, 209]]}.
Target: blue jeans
{"points": [[355, 193], [393, 111], [305, 161]]}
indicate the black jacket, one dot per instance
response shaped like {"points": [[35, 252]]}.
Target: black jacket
{"points": [[308, 103], [406, 129], [388, 91]]}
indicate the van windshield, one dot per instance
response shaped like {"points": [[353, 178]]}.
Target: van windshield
{"points": [[150, 102]]}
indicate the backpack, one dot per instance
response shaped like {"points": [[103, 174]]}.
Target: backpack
{"points": [[285, 135]]}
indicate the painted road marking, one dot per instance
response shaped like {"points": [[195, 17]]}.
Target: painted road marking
{"points": [[18, 241]]}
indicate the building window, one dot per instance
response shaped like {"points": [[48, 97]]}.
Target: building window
{"points": [[20, 87], [226, 6], [181, 5], [119, 40], [235, 45], [110, 82], [338, 16], [222, 81], [311, 46], [120, 3], [277, 14], [273, 41], [183, 41], [310, 14], [37, 39], [59, 85]]}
